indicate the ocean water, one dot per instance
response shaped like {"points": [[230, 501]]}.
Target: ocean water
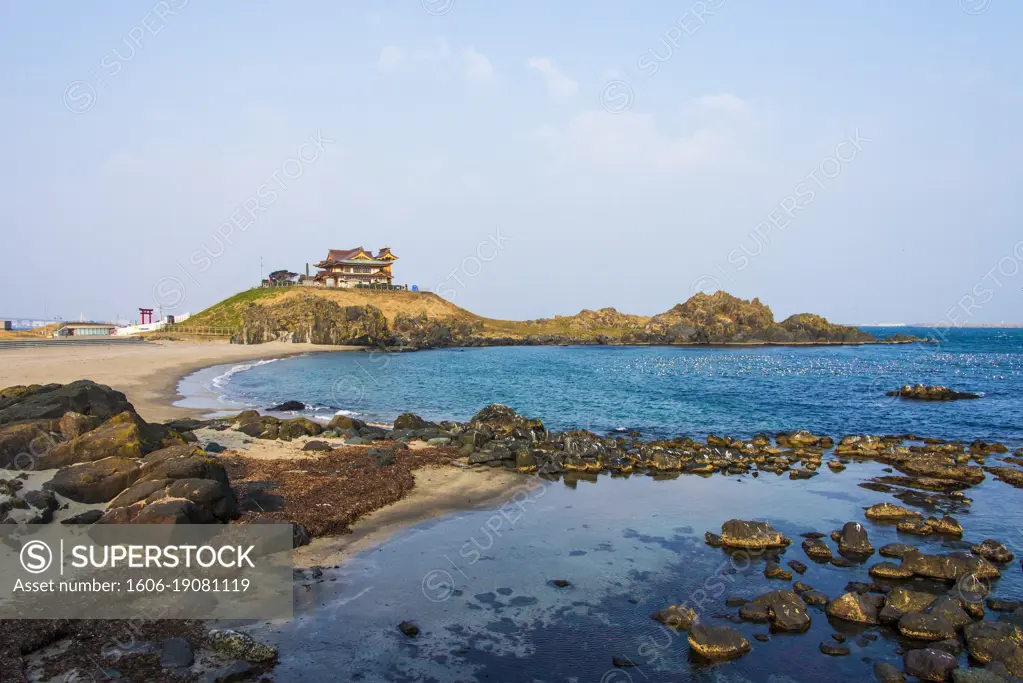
{"points": [[479, 583], [659, 391]]}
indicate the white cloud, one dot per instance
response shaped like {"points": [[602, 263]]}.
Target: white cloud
{"points": [[390, 57], [435, 57], [560, 85], [724, 103], [478, 68], [631, 141]]}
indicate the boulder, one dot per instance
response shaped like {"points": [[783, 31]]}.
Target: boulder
{"points": [[930, 664], [989, 641], [95, 482], [342, 422], [118, 440], [950, 609], [925, 627], [500, 421], [854, 541], [895, 550], [22, 444], [72, 425], [87, 517], [948, 567], [889, 512], [241, 646], [886, 673], [52, 401], [299, 426], [818, 550], [783, 608], [945, 525], [889, 570], [814, 598], [163, 511], [737, 533], [901, 601], [676, 616], [920, 392], [215, 498], [197, 466], [774, 571], [288, 407], [717, 642], [993, 551], [412, 421], [853, 607]]}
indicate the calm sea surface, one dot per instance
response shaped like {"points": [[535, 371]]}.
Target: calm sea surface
{"points": [[478, 583]]}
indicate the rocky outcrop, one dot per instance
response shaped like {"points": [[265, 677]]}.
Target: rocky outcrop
{"points": [[737, 533], [307, 318], [782, 608], [854, 607], [719, 318], [106, 453], [920, 392]]}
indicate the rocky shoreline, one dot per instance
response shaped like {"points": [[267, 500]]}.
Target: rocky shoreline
{"points": [[82, 444], [703, 320]]}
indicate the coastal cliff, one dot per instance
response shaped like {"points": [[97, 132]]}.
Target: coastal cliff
{"points": [[417, 320]]}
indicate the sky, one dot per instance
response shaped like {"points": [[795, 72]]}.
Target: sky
{"points": [[523, 160]]}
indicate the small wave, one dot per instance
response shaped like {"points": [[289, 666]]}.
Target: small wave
{"points": [[220, 381], [347, 413]]}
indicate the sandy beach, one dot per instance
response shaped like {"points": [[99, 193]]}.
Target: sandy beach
{"points": [[147, 373]]}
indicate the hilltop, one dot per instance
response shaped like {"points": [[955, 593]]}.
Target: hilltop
{"points": [[410, 320]]}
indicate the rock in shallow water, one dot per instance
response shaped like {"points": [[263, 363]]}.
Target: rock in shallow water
{"points": [[717, 642], [241, 646], [930, 664], [853, 607]]}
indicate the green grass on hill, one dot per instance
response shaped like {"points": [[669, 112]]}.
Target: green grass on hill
{"points": [[228, 313]]}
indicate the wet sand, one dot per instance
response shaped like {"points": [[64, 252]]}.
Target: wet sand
{"points": [[148, 373]]}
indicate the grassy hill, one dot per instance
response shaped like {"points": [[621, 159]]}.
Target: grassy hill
{"points": [[423, 319]]}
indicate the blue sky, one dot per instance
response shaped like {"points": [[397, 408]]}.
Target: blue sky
{"points": [[523, 159]]}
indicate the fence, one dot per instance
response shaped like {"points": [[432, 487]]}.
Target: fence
{"points": [[200, 331]]}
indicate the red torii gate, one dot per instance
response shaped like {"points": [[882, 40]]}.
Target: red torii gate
{"points": [[146, 312]]}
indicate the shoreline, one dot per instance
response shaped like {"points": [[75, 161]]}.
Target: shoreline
{"points": [[148, 373]]}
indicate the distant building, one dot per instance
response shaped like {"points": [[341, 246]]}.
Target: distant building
{"points": [[355, 267], [8, 325], [86, 330]]}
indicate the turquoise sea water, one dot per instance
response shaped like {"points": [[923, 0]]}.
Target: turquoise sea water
{"points": [[661, 391], [478, 583]]}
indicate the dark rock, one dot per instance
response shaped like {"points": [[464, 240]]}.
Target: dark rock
{"points": [[890, 512], [87, 517], [384, 460], [288, 407], [52, 401], [717, 642], [797, 566], [886, 673], [412, 421], [993, 551], [774, 571], [834, 649], [854, 541], [896, 550], [409, 628], [214, 447], [816, 549], [920, 392], [930, 664], [621, 661], [318, 446], [737, 533], [853, 607], [783, 608], [948, 567], [500, 421], [41, 500], [176, 653], [95, 482], [889, 570], [561, 583], [814, 598], [675, 616], [990, 641], [925, 627]]}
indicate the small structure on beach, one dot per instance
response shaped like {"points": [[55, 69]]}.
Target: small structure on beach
{"points": [[86, 330], [355, 267], [8, 325]]}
